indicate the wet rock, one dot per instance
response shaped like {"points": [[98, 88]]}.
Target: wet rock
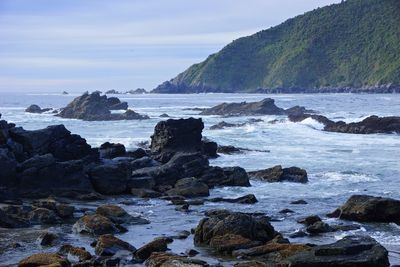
{"points": [[94, 225], [43, 216], [12, 220], [228, 176], [210, 149], [183, 208], [286, 211], [191, 252], [355, 251], [279, 174], [164, 115], [298, 234], [110, 178], [247, 199], [157, 245], [108, 245], [162, 259], [61, 209], [44, 259], [36, 109], [370, 125], [299, 202], [189, 187], [8, 166], [264, 107], [349, 227], [143, 162], [228, 150], [109, 150], [118, 215], [226, 225], [251, 264], [172, 136], [365, 208], [229, 242], [298, 110], [68, 251], [47, 239], [309, 220], [319, 227], [145, 193], [93, 107], [181, 235], [222, 125]]}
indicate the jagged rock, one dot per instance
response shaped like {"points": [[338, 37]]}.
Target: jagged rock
{"points": [[279, 174], [118, 215], [247, 199], [157, 245], [233, 227], [36, 109], [172, 136], [68, 251], [354, 251], [229, 150], [44, 259], [93, 107], [109, 151], [108, 245], [264, 107], [365, 208], [94, 225], [189, 187]]}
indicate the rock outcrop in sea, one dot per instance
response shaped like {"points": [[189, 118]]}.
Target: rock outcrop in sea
{"points": [[96, 107]]}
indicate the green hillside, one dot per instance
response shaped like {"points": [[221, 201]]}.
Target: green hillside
{"points": [[353, 44]]}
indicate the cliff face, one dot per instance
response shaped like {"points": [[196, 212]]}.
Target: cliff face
{"points": [[351, 46]]}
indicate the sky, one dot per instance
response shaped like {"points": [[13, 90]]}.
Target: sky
{"points": [[79, 45]]}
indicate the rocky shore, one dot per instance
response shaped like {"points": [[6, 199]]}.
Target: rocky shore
{"points": [[44, 172]]}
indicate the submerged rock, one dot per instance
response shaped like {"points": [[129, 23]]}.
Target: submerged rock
{"points": [[365, 208], [354, 251], [71, 251], [279, 174], [247, 199], [94, 107]]}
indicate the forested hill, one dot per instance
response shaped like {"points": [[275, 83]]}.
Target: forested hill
{"points": [[351, 46]]}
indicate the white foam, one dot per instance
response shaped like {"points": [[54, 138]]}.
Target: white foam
{"points": [[313, 123]]}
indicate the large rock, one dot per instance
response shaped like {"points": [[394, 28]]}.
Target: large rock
{"points": [[36, 109], [264, 107], [189, 187], [109, 245], [351, 251], [227, 176], [55, 139], [94, 107], [157, 245], [110, 178], [238, 229], [41, 176], [365, 208], [8, 167], [44, 259], [279, 174], [172, 136], [95, 225], [109, 150]]}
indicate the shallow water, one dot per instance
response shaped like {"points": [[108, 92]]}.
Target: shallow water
{"points": [[339, 165]]}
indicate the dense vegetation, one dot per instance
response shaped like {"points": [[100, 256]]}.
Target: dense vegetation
{"points": [[352, 44]]}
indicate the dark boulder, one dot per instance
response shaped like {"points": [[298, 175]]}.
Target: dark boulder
{"points": [[8, 167], [94, 107], [223, 124], [370, 125], [172, 136], [70, 251], [44, 259], [319, 227], [109, 150], [279, 174], [159, 259], [36, 109], [228, 150], [365, 208], [118, 215], [264, 107], [47, 239], [189, 187], [110, 178], [157, 245], [354, 251], [228, 176], [237, 229]]}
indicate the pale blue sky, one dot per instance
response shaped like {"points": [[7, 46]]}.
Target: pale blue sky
{"points": [[77, 45]]}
